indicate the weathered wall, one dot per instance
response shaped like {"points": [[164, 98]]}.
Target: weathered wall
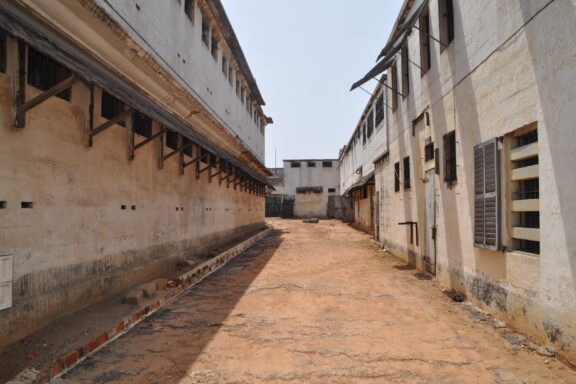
{"points": [[364, 210], [168, 34], [358, 154], [510, 65], [76, 245]]}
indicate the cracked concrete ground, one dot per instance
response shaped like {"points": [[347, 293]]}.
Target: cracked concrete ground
{"points": [[316, 303]]}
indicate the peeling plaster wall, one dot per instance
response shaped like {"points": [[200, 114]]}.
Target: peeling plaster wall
{"points": [[76, 246], [511, 64]]}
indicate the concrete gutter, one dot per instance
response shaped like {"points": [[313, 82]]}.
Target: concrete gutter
{"points": [[69, 360]]}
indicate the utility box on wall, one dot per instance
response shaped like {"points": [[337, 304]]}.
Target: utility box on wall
{"points": [[6, 268]]}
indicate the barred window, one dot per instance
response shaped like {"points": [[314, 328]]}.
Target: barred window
{"points": [[450, 174]]}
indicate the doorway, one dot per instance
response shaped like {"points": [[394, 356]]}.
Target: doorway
{"points": [[430, 223]]}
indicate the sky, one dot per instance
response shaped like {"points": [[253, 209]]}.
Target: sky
{"points": [[305, 55]]}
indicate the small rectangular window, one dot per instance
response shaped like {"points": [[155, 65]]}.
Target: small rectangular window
{"points": [[407, 172], [44, 73], [237, 86], [141, 124], [189, 9], [425, 58], [397, 177], [295, 164], [446, 13], [3, 51], [214, 47], [364, 129], [311, 164], [224, 66], [379, 108], [230, 74], [394, 87], [172, 140], [331, 190], [405, 70], [327, 164], [205, 32], [450, 174], [429, 151], [111, 107]]}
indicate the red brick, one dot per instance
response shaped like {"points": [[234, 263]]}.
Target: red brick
{"points": [[56, 369], [70, 358]]}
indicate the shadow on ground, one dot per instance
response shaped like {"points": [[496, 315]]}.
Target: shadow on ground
{"points": [[174, 337]]}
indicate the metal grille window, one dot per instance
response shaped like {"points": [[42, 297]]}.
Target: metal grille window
{"points": [[450, 174], [405, 70], [44, 73], [525, 186], [141, 124], [311, 164], [364, 133], [295, 164], [394, 71], [379, 109], [407, 172], [397, 177], [446, 13], [327, 164], [370, 124], [487, 195], [2, 51], [425, 59], [111, 107]]}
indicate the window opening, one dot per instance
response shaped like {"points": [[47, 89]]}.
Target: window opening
{"points": [[397, 177], [450, 173], [407, 172], [44, 73]]}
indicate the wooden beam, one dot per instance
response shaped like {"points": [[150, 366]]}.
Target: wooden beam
{"points": [[20, 98], [150, 139], [56, 89], [116, 119], [90, 122]]}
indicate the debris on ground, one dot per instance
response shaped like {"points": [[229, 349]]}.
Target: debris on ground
{"points": [[544, 351], [311, 221], [515, 339], [454, 295]]}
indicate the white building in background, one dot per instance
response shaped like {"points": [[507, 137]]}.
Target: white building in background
{"points": [[310, 183], [368, 143], [477, 187]]}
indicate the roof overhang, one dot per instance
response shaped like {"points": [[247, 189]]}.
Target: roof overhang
{"points": [[409, 13], [25, 26]]}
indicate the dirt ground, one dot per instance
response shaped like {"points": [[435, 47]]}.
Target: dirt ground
{"points": [[318, 303]]}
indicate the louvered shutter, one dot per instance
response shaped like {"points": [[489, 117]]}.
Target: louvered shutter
{"points": [[487, 195]]}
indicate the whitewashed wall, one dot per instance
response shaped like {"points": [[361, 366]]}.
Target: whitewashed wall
{"points": [[165, 31]]}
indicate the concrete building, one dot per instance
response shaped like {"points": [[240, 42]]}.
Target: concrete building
{"points": [[131, 136], [368, 143], [309, 187], [476, 186]]}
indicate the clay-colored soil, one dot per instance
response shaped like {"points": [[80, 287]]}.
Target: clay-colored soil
{"points": [[317, 303]]}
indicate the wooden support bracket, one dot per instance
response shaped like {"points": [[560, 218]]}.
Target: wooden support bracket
{"points": [[116, 119], [22, 108]]}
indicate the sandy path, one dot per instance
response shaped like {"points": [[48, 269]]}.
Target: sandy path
{"points": [[316, 303]]}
